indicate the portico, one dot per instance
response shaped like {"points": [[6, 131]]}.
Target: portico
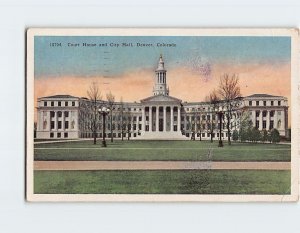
{"points": [[161, 117]]}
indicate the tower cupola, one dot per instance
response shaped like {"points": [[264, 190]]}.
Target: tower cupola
{"points": [[160, 87]]}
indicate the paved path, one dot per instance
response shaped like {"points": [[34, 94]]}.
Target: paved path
{"points": [[157, 165]]}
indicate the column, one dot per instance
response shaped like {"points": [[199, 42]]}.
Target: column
{"points": [[150, 118], [143, 119], [63, 120], [260, 120], [268, 120], [165, 118], [172, 119], [283, 127], [56, 121], [253, 118], [178, 119], [157, 118], [275, 119]]}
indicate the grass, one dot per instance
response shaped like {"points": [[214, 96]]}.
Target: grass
{"points": [[162, 182], [161, 151]]}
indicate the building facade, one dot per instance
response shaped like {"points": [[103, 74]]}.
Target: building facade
{"points": [[159, 116]]}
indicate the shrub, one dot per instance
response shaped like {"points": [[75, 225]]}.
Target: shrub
{"points": [[274, 136], [235, 135]]}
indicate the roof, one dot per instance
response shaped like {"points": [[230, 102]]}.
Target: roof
{"points": [[59, 96], [161, 98], [263, 95]]}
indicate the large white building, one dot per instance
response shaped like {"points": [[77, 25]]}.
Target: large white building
{"points": [[159, 116]]}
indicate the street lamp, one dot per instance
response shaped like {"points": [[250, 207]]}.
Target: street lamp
{"points": [[104, 111], [220, 116]]}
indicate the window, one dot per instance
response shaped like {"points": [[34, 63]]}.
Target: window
{"points": [[271, 113], [52, 103], [59, 114], [175, 118], [66, 135], [271, 124], [257, 124], [264, 124], [175, 127], [264, 113], [279, 103], [66, 114], [52, 125], [59, 135], [203, 134], [257, 113], [45, 104], [140, 118], [59, 103], [208, 117], [140, 126], [52, 114], [59, 125], [257, 103], [272, 103], [265, 103], [134, 127], [73, 103], [134, 118], [250, 103], [66, 103], [51, 135], [147, 118], [66, 124]]}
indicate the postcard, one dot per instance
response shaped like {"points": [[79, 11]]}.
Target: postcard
{"points": [[165, 114]]}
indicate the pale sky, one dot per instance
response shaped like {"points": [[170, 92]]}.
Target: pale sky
{"points": [[194, 66]]}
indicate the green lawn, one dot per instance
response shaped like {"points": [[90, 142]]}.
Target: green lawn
{"points": [[162, 182], [161, 150]]}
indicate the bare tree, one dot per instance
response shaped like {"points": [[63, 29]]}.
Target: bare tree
{"points": [[230, 92], [95, 97], [214, 100], [121, 115], [111, 102], [127, 123]]}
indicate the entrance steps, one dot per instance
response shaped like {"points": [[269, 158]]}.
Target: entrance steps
{"points": [[162, 136]]}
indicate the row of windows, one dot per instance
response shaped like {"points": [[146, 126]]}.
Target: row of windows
{"points": [[214, 135], [264, 113], [59, 114], [264, 103], [108, 135], [59, 125], [59, 135], [59, 103], [264, 124]]}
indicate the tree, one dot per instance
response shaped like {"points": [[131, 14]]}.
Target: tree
{"points": [[93, 106], [121, 115], [229, 91], [111, 102], [255, 135], [127, 126], [264, 135], [214, 99], [235, 135], [275, 136], [246, 126]]}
